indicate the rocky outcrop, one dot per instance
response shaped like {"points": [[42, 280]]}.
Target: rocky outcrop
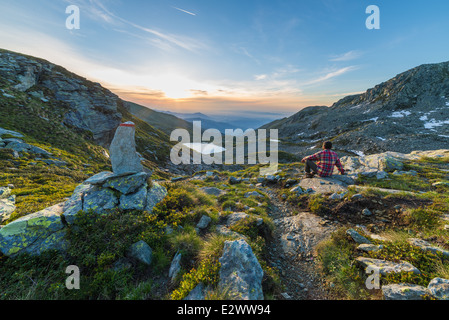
{"points": [[389, 162], [240, 273], [408, 112], [88, 106]]}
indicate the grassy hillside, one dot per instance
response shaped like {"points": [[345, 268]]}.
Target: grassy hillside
{"points": [[162, 121]]}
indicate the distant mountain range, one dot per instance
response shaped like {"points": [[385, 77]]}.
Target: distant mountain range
{"points": [[223, 122], [409, 112]]}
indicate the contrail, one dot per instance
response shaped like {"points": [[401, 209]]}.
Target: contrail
{"points": [[193, 14]]}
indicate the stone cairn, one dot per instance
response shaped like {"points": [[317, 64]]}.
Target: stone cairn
{"points": [[126, 188]]}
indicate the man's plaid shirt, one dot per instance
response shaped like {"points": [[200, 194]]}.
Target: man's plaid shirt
{"points": [[325, 161]]}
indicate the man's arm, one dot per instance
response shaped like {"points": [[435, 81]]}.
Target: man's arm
{"points": [[313, 157], [339, 166]]}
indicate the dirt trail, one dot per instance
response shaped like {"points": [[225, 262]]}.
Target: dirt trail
{"points": [[291, 250]]}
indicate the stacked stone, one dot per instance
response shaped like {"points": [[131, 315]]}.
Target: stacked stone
{"points": [[125, 188]]}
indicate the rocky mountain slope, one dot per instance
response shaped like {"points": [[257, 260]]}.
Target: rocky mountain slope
{"points": [[36, 95], [406, 113]]}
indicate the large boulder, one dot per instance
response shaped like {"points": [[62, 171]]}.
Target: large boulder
{"points": [[123, 154], [240, 273], [404, 291], [439, 288], [328, 185], [34, 233]]}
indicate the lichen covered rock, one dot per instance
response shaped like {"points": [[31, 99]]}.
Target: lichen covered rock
{"points": [[34, 233]]}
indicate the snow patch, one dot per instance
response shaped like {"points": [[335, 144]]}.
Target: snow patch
{"points": [[431, 124], [359, 153], [382, 139], [372, 119], [400, 114]]}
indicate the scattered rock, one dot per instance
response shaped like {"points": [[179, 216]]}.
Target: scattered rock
{"points": [[141, 252], [213, 191], [357, 237], [369, 247], [252, 194], [385, 267], [234, 180], [366, 212], [204, 222], [424, 245], [298, 190], [233, 218], [197, 293], [404, 292], [175, 266], [337, 196], [439, 288]]}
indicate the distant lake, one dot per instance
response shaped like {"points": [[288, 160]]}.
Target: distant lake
{"points": [[204, 148]]}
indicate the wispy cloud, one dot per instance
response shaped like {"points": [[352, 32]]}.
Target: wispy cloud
{"points": [[348, 56], [163, 40], [259, 77], [332, 74], [185, 11]]}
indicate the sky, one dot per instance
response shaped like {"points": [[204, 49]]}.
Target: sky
{"points": [[258, 58]]}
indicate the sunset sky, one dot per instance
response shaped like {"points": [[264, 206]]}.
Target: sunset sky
{"points": [[236, 56]]}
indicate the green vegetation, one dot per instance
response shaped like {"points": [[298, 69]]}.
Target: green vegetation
{"points": [[336, 256]]}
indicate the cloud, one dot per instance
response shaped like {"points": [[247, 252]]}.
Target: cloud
{"points": [[332, 74], [259, 77], [160, 39], [348, 56], [185, 11]]}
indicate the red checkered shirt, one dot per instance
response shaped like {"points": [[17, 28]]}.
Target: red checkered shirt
{"points": [[325, 162]]}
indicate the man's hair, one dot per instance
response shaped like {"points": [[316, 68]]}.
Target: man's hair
{"points": [[327, 145]]}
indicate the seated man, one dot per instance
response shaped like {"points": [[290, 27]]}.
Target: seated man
{"points": [[325, 162]]}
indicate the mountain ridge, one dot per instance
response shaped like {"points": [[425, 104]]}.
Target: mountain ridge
{"points": [[414, 104]]}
